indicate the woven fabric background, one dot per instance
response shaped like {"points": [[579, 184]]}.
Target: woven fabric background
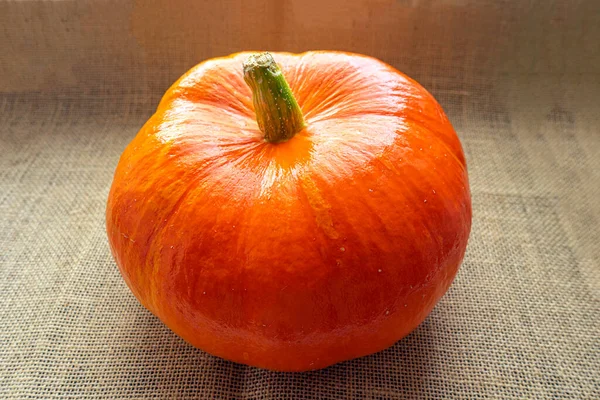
{"points": [[519, 80]]}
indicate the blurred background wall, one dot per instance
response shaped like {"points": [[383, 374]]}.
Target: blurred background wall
{"points": [[143, 46]]}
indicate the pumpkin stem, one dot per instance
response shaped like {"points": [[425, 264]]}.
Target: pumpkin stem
{"points": [[278, 114]]}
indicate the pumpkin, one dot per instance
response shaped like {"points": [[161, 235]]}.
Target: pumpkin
{"points": [[291, 211]]}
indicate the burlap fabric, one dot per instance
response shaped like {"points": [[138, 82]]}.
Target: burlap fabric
{"points": [[519, 80]]}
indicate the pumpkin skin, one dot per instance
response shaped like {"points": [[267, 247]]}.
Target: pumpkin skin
{"points": [[292, 256]]}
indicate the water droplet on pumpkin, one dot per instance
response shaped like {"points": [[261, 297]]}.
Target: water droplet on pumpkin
{"points": [[405, 305], [420, 148], [387, 312], [172, 246], [378, 270], [342, 249], [370, 190], [433, 191], [425, 201], [203, 292]]}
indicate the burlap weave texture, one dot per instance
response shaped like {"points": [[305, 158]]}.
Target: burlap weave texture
{"points": [[519, 81]]}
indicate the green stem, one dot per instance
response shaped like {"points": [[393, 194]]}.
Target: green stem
{"points": [[278, 114]]}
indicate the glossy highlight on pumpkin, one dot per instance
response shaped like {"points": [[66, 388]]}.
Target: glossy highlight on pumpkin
{"points": [[296, 255]]}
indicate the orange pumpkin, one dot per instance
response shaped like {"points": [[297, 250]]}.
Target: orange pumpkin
{"points": [[291, 217]]}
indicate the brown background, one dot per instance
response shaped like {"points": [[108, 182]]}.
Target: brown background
{"points": [[145, 45], [519, 80]]}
